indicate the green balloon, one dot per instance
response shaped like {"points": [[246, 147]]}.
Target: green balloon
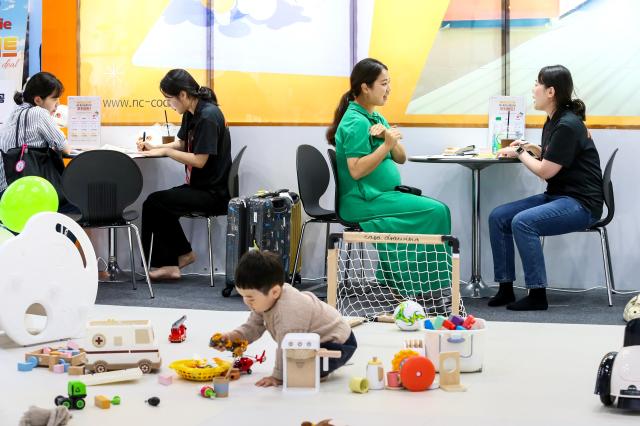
{"points": [[24, 198], [5, 235]]}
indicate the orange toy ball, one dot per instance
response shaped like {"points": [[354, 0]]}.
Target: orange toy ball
{"points": [[417, 373]]}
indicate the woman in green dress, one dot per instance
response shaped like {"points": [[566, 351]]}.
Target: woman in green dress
{"points": [[367, 150]]}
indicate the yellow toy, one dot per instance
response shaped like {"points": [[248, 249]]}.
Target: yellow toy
{"points": [[400, 357], [190, 369], [237, 346]]}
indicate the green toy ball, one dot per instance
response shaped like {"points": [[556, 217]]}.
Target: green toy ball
{"points": [[24, 198]]}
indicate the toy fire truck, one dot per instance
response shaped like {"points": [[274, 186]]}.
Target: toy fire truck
{"points": [[178, 331]]}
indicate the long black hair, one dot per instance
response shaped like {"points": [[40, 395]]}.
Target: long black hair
{"points": [[178, 80], [366, 71], [559, 77], [43, 84]]}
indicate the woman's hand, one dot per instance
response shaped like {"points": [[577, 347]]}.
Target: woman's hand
{"points": [[517, 143], [391, 137], [508, 152], [144, 145], [377, 130]]}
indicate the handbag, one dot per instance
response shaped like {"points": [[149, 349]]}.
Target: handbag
{"points": [[22, 161]]}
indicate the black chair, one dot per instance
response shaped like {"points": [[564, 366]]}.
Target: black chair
{"points": [[600, 226], [313, 181], [350, 226], [101, 184], [233, 183]]}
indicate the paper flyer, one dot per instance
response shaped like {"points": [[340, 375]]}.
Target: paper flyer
{"points": [[84, 121]]}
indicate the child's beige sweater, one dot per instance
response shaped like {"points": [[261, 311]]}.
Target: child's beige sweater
{"points": [[296, 312]]}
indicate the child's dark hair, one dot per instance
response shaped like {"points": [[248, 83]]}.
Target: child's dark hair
{"points": [[559, 77], [43, 84], [366, 71], [178, 80], [259, 270]]}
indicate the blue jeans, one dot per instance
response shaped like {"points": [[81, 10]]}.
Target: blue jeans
{"points": [[525, 221]]}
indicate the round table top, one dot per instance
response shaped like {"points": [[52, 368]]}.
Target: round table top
{"points": [[467, 161]]}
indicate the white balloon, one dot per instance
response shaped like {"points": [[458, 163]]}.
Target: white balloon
{"points": [[5, 235]]}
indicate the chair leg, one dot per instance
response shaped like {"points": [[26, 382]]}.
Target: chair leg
{"points": [[144, 260], [295, 264], [133, 260], [326, 247], [210, 233], [606, 259]]}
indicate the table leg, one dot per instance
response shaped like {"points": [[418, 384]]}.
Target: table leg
{"points": [[475, 287], [113, 273]]}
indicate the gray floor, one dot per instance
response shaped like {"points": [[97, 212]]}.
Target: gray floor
{"points": [[193, 292]]}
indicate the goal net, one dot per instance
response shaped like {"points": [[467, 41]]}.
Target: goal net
{"points": [[369, 274]]}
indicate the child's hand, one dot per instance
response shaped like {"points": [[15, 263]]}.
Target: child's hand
{"points": [[269, 381], [219, 341]]}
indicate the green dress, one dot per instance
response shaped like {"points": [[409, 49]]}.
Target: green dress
{"points": [[373, 202]]}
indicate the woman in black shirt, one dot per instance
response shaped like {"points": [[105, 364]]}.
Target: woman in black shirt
{"points": [[204, 147], [572, 202]]}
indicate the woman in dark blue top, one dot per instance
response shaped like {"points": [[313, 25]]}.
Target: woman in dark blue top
{"points": [[572, 202]]}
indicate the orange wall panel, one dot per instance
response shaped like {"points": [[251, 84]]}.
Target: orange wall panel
{"points": [[60, 43]]}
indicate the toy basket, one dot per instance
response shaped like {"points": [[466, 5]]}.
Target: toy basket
{"points": [[470, 344], [188, 369]]}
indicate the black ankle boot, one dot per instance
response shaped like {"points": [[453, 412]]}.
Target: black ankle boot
{"points": [[504, 296], [535, 301]]}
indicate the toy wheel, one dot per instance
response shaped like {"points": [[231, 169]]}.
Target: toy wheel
{"points": [[145, 366], [66, 403], [100, 367], [79, 404], [226, 292], [249, 371], [59, 400], [603, 379], [417, 373]]}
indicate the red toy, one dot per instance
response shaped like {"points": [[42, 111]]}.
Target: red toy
{"points": [[244, 363], [178, 331]]}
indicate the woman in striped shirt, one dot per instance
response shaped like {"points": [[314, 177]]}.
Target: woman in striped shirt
{"points": [[42, 95]]}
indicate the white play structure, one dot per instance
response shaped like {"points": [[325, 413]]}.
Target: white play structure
{"points": [[44, 272]]}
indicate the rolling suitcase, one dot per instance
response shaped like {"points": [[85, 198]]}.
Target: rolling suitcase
{"points": [[237, 239], [262, 221]]}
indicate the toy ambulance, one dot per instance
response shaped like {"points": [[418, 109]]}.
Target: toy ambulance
{"points": [[116, 345]]}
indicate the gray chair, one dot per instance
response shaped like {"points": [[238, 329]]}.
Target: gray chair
{"points": [[233, 184], [601, 226]]}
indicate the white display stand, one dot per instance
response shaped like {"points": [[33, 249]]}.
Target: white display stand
{"points": [[84, 122], [506, 118], [43, 266]]}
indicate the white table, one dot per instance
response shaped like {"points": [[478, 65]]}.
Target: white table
{"points": [[534, 374]]}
